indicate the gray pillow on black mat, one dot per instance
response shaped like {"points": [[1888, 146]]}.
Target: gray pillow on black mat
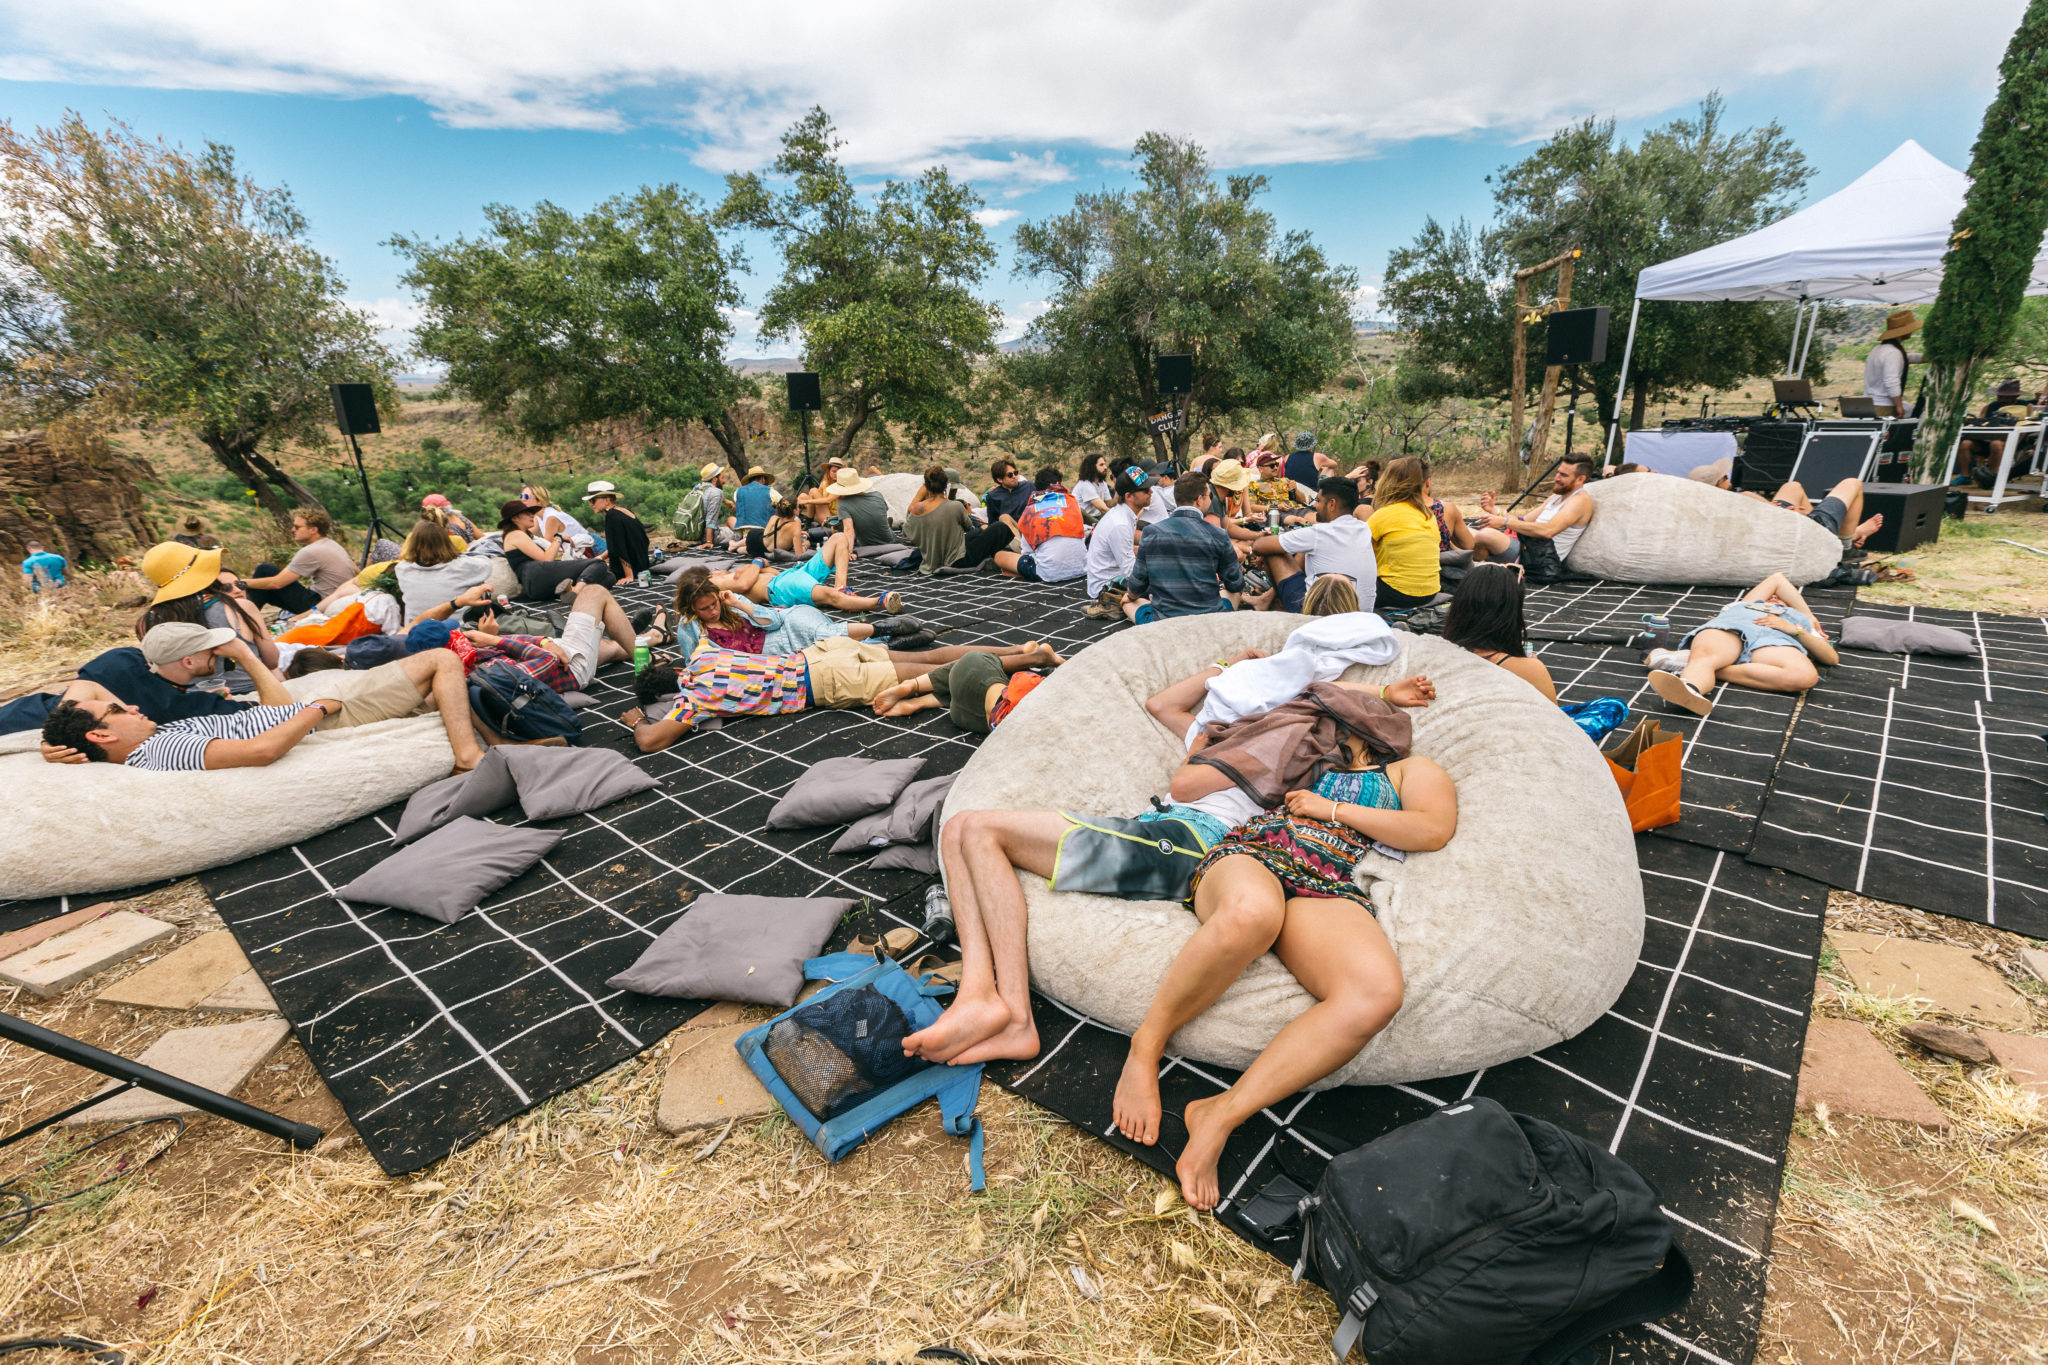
{"points": [[479, 791], [448, 873], [907, 857], [837, 790], [745, 948], [556, 782], [1904, 637], [909, 821]]}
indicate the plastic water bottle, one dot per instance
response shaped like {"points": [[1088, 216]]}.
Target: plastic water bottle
{"points": [[643, 652], [647, 578], [1272, 518]]}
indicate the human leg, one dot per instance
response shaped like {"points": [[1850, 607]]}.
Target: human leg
{"points": [[439, 676], [1710, 651], [990, 1016], [1012, 657], [292, 597], [1341, 956], [824, 595], [1774, 668], [1242, 907], [594, 600], [1793, 495]]}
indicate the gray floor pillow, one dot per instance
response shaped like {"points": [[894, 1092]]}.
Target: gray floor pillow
{"points": [[448, 873], [557, 782], [750, 949], [479, 791], [837, 790], [1904, 637], [909, 821], [907, 858]]}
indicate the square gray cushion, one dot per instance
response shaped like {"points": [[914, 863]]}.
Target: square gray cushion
{"points": [[479, 791], [909, 821], [908, 857], [556, 782], [446, 874], [745, 948], [1904, 637], [837, 790]]}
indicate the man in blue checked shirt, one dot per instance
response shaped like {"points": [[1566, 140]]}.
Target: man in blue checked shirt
{"points": [[1185, 566]]}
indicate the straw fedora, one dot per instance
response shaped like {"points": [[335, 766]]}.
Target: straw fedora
{"points": [[601, 488], [849, 483], [711, 471], [180, 570], [1904, 322], [1230, 475]]}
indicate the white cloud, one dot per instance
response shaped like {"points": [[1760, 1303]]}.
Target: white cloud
{"points": [[915, 81], [1017, 317], [990, 218], [1365, 301], [394, 319]]}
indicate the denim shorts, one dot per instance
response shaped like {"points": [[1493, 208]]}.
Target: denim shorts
{"points": [[1739, 618]]}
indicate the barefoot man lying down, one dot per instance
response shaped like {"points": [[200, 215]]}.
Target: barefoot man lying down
{"points": [[1257, 880]]}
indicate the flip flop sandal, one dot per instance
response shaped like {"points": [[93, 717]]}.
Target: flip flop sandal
{"points": [[867, 945], [900, 941], [937, 967]]}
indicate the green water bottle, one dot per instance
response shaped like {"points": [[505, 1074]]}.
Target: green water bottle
{"points": [[643, 654]]}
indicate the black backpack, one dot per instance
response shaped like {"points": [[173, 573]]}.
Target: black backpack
{"points": [[1480, 1237], [519, 706]]}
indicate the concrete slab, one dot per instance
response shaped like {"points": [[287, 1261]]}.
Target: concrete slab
{"points": [[182, 978], [2024, 1056], [21, 940], [707, 1083], [1852, 1073], [1950, 978], [219, 1057], [75, 954], [245, 994], [1947, 1041]]}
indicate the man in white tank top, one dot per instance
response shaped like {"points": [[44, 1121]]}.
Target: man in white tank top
{"points": [[1562, 518]]}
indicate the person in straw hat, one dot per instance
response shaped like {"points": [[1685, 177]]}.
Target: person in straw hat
{"points": [[1978, 460], [710, 490], [1884, 374], [625, 539], [862, 508]]}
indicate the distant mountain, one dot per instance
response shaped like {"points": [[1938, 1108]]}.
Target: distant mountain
{"points": [[774, 364]]}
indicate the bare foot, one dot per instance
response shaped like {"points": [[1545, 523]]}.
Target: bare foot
{"points": [[1868, 529], [1016, 1043], [1136, 1106], [1041, 655], [969, 1020], [1207, 1132]]}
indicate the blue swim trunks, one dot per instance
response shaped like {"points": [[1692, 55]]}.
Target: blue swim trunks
{"points": [[792, 587]]}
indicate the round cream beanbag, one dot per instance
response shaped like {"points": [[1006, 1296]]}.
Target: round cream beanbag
{"points": [[1517, 934], [1658, 528], [899, 489]]}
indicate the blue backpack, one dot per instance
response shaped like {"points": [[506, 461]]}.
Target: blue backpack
{"points": [[835, 1062], [519, 706]]}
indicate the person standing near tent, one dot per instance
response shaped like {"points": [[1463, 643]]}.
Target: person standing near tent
{"points": [[1884, 374]]}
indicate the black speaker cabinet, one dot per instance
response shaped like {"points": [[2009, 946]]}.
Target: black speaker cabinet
{"points": [[1577, 336], [1911, 511], [804, 394], [1176, 373], [1769, 450], [355, 409]]}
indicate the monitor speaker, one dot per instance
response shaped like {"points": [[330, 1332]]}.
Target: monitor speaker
{"points": [[355, 409], [1176, 374], [804, 394], [1577, 336], [1769, 450]]}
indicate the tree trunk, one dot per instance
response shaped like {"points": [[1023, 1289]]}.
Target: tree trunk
{"points": [[725, 429], [1639, 400], [301, 494], [1518, 383], [1947, 390], [843, 442], [236, 462]]}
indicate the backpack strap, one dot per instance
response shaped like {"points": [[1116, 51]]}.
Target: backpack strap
{"points": [[1663, 1293], [956, 1110]]}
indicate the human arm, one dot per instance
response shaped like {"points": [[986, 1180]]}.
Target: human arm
{"points": [[468, 597], [545, 548], [1460, 534], [1228, 569], [1408, 692], [1174, 707], [1427, 819], [1577, 509], [270, 691], [283, 578], [1267, 545], [246, 621], [262, 750], [652, 734]]}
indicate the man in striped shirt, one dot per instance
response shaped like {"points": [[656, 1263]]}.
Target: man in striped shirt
{"points": [[114, 732]]}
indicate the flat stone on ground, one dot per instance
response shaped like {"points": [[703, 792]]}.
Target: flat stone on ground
{"points": [[718, 1016], [21, 940], [2035, 960], [1947, 1041], [219, 1057], [245, 994], [75, 954], [181, 979], [1951, 978], [2024, 1055], [1852, 1073], [707, 1083]]}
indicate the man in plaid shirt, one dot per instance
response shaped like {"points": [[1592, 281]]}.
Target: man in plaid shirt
{"points": [[596, 633]]}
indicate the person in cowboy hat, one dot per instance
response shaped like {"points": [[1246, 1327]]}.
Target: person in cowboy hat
{"points": [[861, 507], [1978, 460], [192, 531], [625, 539], [753, 502], [1884, 374], [711, 489]]}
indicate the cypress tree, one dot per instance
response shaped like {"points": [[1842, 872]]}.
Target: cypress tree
{"points": [[1996, 237]]}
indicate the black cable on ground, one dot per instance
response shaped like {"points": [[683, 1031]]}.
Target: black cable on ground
{"points": [[15, 1221], [92, 1350]]}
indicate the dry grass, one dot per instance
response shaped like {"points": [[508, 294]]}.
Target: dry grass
{"points": [[48, 634]]}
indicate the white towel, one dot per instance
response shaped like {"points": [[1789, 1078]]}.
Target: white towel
{"points": [[1318, 652]]}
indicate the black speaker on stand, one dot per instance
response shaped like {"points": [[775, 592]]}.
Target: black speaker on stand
{"points": [[355, 412], [1575, 337], [806, 397]]}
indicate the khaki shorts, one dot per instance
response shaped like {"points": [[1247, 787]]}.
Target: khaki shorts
{"points": [[366, 695], [848, 672], [582, 636]]}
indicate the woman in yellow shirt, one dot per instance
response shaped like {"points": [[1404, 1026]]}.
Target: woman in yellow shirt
{"points": [[1404, 537]]}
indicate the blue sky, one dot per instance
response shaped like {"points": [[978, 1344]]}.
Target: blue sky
{"points": [[1366, 116]]}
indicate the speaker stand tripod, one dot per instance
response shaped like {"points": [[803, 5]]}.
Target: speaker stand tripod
{"points": [[377, 523], [1571, 412]]}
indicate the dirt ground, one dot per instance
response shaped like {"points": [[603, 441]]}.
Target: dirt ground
{"points": [[583, 1233]]}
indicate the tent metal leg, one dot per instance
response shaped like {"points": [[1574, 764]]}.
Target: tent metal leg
{"points": [[1628, 351]]}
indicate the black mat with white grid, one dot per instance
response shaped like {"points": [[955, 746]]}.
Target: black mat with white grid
{"points": [[1923, 780], [1690, 1078], [430, 1035], [1605, 613]]}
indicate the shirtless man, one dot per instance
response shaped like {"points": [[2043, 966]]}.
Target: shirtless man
{"points": [[1843, 506], [1547, 537]]}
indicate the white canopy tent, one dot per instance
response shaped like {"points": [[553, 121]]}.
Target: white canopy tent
{"points": [[1879, 239]]}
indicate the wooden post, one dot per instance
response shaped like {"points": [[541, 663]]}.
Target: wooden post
{"points": [[1540, 437], [1511, 467]]}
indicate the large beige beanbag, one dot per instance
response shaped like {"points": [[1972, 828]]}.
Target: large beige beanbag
{"points": [[899, 489], [1518, 934], [79, 828], [1656, 528]]}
